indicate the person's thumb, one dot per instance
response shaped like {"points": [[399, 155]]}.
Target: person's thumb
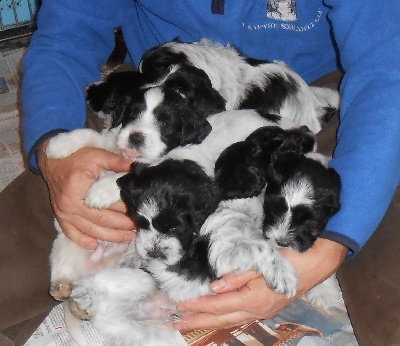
{"points": [[116, 163], [232, 281]]}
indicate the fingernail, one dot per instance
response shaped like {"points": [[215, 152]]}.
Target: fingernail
{"points": [[179, 325], [217, 286], [181, 308]]}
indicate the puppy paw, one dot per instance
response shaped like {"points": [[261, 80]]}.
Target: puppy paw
{"points": [[83, 295], [104, 192], [282, 277], [326, 294], [77, 311], [63, 145], [61, 289]]}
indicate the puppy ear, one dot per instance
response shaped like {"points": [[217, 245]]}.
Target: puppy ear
{"points": [[194, 85], [206, 98], [194, 130], [130, 188], [239, 171], [96, 94], [157, 61], [300, 138], [329, 197]]}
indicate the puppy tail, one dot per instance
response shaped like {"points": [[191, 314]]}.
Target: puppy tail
{"points": [[74, 327]]}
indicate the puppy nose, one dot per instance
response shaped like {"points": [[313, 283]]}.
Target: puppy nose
{"points": [[283, 242], [156, 252], [136, 138]]}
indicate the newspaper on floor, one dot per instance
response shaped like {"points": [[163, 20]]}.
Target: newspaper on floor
{"points": [[299, 324], [10, 77], [11, 158]]}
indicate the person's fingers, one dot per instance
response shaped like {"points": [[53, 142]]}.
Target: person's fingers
{"points": [[118, 206], [232, 281], [108, 218], [245, 298], [114, 162], [77, 236], [85, 233]]}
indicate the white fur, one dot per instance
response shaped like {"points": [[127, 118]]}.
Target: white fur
{"points": [[70, 261], [237, 244], [326, 294], [66, 143], [295, 192], [145, 123], [127, 309], [228, 128]]}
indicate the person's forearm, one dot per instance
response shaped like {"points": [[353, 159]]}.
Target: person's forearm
{"points": [[58, 66]]}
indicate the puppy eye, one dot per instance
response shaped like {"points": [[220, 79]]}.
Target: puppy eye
{"points": [[164, 123], [179, 91]]}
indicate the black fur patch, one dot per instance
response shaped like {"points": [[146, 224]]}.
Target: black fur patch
{"points": [[194, 263], [114, 94], [183, 193], [271, 97]]}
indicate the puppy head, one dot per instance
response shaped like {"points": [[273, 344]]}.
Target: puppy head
{"points": [[162, 121], [194, 85], [169, 202], [172, 114], [297, 209], [110, 97], [240, 170], [157, 61]]}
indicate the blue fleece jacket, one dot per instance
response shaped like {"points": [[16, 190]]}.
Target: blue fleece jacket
{"points": [[74, 38]]}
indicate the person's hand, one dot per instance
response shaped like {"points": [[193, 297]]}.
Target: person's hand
{"points": [[68, 181], [242, 298]]}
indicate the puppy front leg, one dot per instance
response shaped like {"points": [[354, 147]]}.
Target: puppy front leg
{"points": [[104, 191], [257, 255], [66, 143]]}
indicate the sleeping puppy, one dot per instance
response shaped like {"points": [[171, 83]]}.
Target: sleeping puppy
{"points": [[246, 83], [301, 193]]}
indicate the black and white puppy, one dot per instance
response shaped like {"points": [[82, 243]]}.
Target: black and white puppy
{"points": [[301, 195], [169, 202], [147, 120], [300, 192], [246, 83]]}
